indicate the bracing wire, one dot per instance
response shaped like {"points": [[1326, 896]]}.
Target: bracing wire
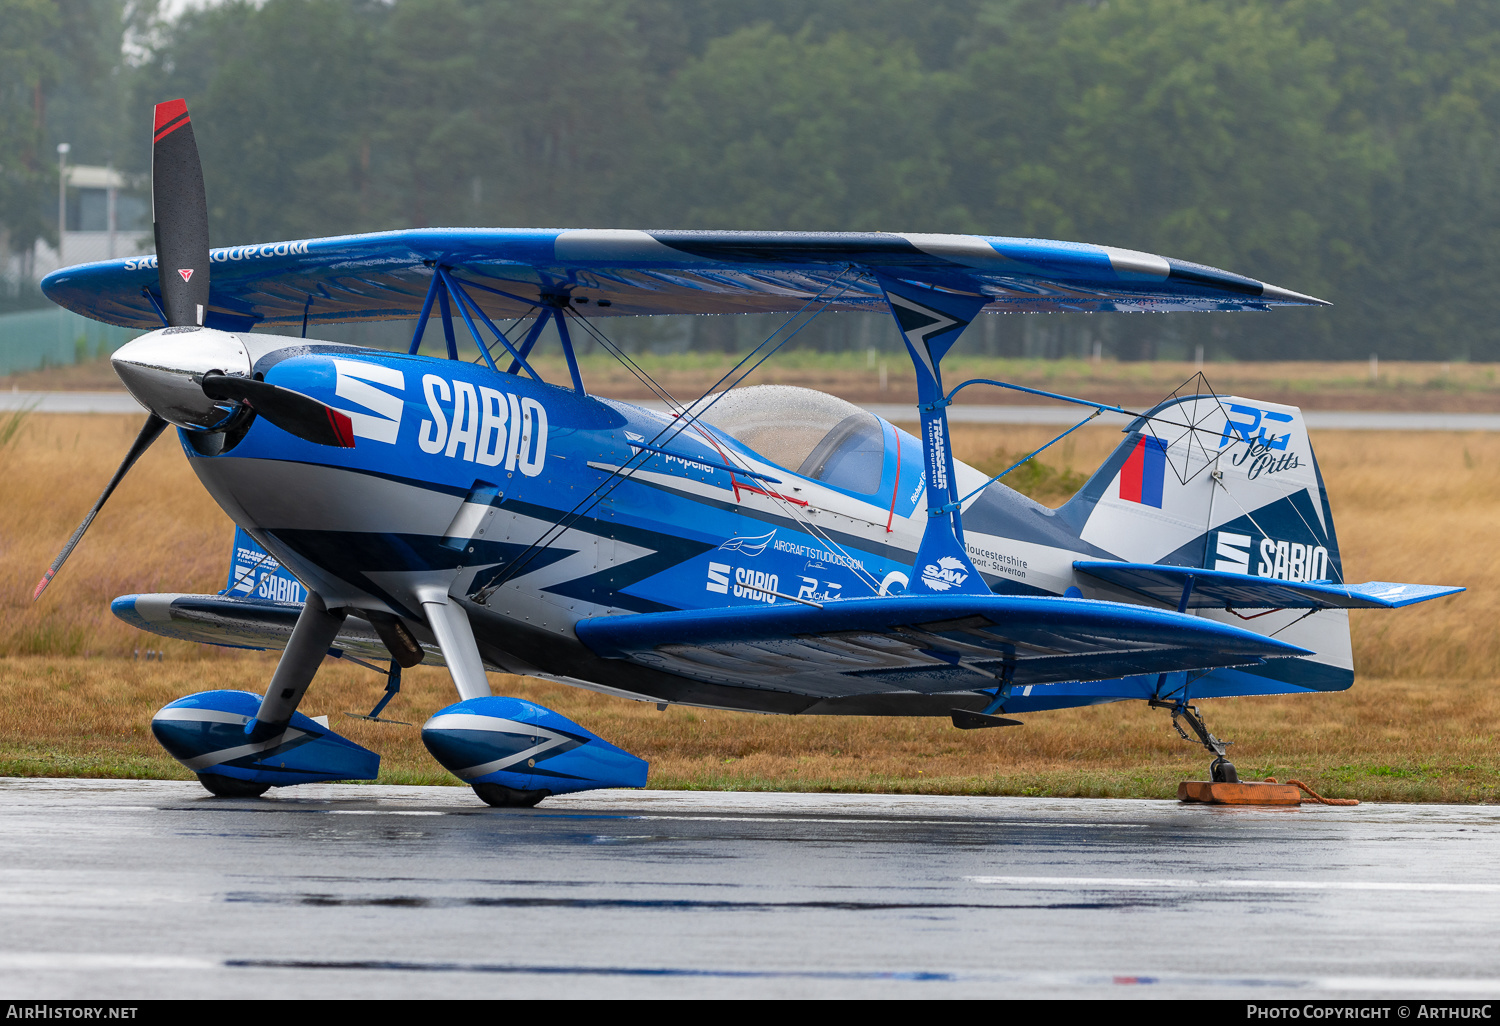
{"points": [[790, 508], [620, 474], [671, 431]]}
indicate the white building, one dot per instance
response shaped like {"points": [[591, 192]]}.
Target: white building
{"points": [[108, 215]]}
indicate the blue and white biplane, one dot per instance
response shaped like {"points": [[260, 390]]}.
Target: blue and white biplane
{"points": [[767, 548]]}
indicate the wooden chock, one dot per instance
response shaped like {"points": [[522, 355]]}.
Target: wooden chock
{"points": [[1209, 792]]}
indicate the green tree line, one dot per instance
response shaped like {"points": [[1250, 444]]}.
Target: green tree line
{"points": [[1343, 148]]}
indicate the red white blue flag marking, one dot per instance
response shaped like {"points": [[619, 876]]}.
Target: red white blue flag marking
{"points": [[1144, 472]]}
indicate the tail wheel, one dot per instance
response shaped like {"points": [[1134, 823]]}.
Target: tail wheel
{"points": [[1222, 771], [231, 787], [502, 797]]}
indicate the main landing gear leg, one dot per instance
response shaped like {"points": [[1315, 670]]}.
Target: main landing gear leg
{"points": [[455, 636], [315, 631], [1221, 770]]}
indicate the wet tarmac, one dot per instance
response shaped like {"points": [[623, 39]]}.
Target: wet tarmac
{"points": [[141, 889]]}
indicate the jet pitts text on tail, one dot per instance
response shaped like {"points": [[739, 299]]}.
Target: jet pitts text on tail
{"points": [[766, 548]]}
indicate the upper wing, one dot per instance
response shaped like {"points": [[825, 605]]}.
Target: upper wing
{"points": [[1217, 589], [386, 275], [927, 644]]}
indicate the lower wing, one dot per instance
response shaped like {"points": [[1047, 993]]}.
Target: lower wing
{"points": [[927, 644]]}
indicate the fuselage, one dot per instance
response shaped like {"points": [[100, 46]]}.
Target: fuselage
{"points": [[537, 506], [534, 506]]}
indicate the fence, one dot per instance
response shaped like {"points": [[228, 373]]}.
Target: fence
{"points": [[54, 337]]}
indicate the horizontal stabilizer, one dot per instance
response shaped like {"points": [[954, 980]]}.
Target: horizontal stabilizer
{"points": [[1218, 589], [929, 644]]}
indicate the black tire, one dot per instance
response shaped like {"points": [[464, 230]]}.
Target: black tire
{"points": [[231, 787], [1222, 771], [502, 797]]}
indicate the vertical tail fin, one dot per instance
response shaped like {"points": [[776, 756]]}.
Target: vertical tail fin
{"points": [[1218, 482], [1228, 484]]}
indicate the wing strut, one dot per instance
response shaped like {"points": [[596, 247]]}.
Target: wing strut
{"points": [[930, 321], [416, 336], [450, 291], [567, 344]]}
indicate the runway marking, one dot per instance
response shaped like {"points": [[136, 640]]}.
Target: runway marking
{"points": [[751, 817], [18, 961], [672, 904], [1136, 883], [93, 962]]}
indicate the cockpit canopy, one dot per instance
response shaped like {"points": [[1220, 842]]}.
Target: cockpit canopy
{"points": [[818, 435]]}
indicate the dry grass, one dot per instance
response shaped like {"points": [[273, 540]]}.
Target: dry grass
{"points": [[160, 531], [1419, 724], [1413, 506]]}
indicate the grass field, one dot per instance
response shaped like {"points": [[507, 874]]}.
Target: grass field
{"points": [[1420, 723]]}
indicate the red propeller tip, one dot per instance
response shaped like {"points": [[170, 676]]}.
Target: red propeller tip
{"points": [[170, 116], [343, 427], [41, 585]]}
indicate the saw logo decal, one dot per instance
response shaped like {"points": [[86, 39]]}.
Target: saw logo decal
{"points": [[357, 382], [484, 426], [946, 573]]}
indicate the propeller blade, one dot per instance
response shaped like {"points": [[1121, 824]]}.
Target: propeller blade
{"points": [[179, 209], [149, 433], [293, 412]]}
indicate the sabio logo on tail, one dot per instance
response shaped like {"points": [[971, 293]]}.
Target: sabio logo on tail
{"points": [[483, 425], [1281, 560]]}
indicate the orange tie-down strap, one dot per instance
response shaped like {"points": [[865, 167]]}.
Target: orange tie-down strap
{"points": [[1315, 796]]}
